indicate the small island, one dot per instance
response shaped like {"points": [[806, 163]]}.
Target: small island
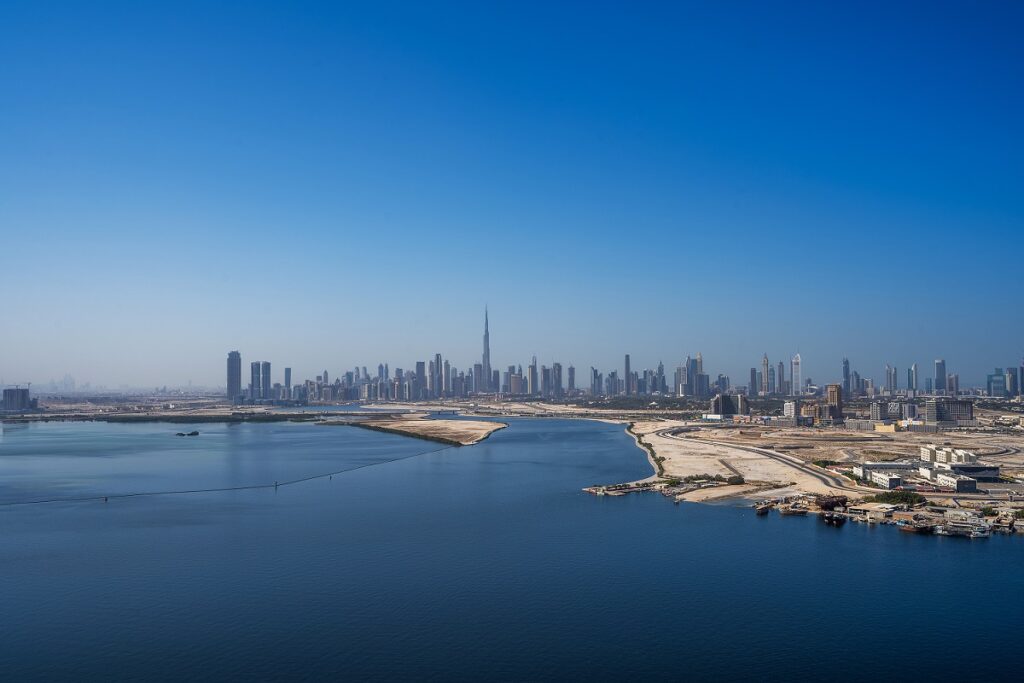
{"points": [[451, 432]]}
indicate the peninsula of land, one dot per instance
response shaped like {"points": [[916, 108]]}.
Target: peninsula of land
{"points": [[452, 432]]}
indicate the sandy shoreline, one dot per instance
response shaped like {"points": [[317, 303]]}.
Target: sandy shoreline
{"points": [[452, 432]]}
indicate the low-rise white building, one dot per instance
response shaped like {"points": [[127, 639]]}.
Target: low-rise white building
{"points": [[887, 480], [933, 453], [957, 482]]}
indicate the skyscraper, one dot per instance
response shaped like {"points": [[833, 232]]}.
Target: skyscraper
{"points": [[234, 376], [420, 380], [834, 400], [255, 393], [265, 379], [795, 377], [753, 388], [847, 389], [912, 378], [780, 379], [629, 375], [940, 376], [572, 379], [996, 383], [486, 364], [287, 382], [764, 375]]}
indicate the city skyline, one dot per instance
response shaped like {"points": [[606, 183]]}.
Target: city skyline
{"points": [[440, 378], [770, 365]]}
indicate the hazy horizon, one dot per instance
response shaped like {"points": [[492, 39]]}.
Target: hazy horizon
{"points": [[325, 187]]}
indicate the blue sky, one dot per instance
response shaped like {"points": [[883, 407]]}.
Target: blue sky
{"points": [[327, 186]]}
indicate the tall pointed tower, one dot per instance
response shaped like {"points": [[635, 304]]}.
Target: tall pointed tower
{"points": [[487, 353]]}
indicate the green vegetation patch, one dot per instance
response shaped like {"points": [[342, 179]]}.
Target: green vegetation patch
{"points": [[898, 498]]}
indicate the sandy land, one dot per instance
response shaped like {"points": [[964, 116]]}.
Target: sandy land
{"points": [[850, 446], [456, 432], [686, 456], [722, 492]]}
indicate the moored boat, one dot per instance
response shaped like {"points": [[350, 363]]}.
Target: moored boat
{"points": [[833, 518]]}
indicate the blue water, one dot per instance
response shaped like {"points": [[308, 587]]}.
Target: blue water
{"points": [[485, 562]]}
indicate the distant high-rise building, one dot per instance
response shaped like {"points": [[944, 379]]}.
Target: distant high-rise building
{"points": [[996, 383], [725, 404], [556, 380], [287, 382], [693, 375], [255, 392], [545, 381], [629, 376], [15, 399], [420, 381], [780, 379], [479, 382], [438, 376], [611, 386], [765, 387], [912, 378], [1012, 382], [940, 376], [265, 379], [532, 385], [847, 388], [753, 389], [795, 377], [234, 376], [948, 410], [572, 379], [834, 400], [486, 364]]}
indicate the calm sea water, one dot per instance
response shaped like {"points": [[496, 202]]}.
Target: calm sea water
{"points": [[464, 564]]}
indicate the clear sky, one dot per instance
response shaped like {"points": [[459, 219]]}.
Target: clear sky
{"points": [[342, 184]]}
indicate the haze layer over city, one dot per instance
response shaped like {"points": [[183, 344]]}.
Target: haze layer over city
{"points": [[658, 183]]}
